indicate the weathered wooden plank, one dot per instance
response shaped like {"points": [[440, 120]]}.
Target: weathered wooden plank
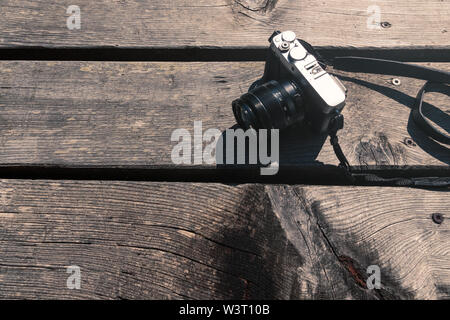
{"points": [[385, 227], [110, 114], [224, 23], [184, 240], [147, 240]]}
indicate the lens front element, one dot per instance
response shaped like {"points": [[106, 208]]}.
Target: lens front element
{"points": [[272, 105]]}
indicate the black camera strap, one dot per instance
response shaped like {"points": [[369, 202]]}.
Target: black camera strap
{"points": [[389, 67], [437, 81]]}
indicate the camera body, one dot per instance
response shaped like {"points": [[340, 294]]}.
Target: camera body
{"points": [[294, 89]]}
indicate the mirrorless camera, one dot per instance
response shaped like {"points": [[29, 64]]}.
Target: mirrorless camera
{"points": [[295, 89]]}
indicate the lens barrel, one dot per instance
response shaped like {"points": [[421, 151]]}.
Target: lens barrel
{"points": [[272, 105]]}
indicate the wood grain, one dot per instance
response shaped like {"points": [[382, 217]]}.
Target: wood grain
{"points": [[111, 114], [215, 241], [387, 227], [223, 23]]}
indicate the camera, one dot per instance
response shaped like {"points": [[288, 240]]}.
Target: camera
{"points": [[294, 89]]}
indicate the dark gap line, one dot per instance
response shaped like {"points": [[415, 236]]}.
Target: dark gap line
{"points": [[416, 54], [314, 175]]}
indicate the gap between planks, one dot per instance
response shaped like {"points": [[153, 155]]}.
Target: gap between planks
{"points": [[411, 54]]}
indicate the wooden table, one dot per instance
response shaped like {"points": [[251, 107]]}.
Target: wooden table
{"points": [[86, 117]]}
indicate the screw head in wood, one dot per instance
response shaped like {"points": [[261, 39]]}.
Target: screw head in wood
{"points": [[396, 82], [437, 218]]}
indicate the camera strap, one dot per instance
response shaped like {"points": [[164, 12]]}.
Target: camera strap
{"points": [[437, 81]]}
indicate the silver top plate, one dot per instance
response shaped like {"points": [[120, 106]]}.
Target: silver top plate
{"points": [[305, 66]]}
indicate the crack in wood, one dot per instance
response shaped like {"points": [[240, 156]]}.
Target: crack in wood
{"points": [[259, 6], [328, 276]]}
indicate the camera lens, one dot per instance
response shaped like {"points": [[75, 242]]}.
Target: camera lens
{"points": [[272, 105], [246, 115]]}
